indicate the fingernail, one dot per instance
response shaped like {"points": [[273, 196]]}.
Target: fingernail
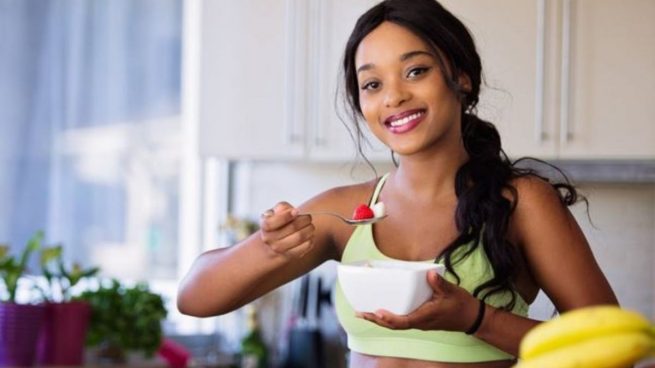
{"points": [[268, 213], [359, 315], [294, 212]]}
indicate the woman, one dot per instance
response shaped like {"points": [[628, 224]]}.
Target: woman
{"points": [[413, 74]]}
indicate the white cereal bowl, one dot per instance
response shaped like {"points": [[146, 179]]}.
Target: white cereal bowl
{"points": [[397, 286]]}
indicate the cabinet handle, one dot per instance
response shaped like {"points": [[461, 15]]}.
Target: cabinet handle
{"points": [[319, 7], [291, 135], [566, 134], [540, 135]]}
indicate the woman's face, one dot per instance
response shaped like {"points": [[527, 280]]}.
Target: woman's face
{"points": [[403, 95]]}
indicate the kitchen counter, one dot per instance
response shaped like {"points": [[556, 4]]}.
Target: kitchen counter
{"points": [[601, 171]]}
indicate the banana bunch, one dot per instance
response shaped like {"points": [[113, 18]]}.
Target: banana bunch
{"points": [[603, 336]]}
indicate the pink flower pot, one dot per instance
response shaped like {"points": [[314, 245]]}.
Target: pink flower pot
{"points": [[19, 329], [63, 334]]}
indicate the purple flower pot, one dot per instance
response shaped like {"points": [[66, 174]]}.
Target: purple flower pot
{"points": [[63, 334], [19, 330]]}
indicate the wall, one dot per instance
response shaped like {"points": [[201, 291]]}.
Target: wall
{"points": [[622, 237], [621, 233]]}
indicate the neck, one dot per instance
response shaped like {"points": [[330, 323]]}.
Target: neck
{"points": [[431, 175]]}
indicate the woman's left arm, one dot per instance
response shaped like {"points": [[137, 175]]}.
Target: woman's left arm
{"points": [[558, 258], [556, 251]]}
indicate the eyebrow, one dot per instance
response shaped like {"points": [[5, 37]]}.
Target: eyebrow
{"points": [[404, 57]]}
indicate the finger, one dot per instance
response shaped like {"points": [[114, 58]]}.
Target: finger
{"points": [[291, 234], [282, 206], [264, 220], [276, 218], [278, 208], [438, 284], [364, 315], [293, 240], [271, 232], [374, 318], [299, 223], [303, 249], [394, 321]]}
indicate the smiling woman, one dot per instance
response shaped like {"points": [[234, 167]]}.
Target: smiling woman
{"points": [[502, 233]]}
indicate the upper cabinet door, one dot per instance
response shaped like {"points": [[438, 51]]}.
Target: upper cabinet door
{"points": [[251, 86], [330, 124], [610, 82], [513, 42]]}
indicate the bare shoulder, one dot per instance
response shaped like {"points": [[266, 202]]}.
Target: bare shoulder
{"points": [[538, 207], [534, 192]]}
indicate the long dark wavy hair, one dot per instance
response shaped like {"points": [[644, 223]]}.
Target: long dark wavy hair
{"points": [[483, 212]]}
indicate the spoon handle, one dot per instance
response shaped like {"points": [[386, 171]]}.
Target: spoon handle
{"points": [[344, 219]]}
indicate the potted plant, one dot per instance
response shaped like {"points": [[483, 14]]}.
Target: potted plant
{"points": [[124, 319], [63, 335], [19, 323]]}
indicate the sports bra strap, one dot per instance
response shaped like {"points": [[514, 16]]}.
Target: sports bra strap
{"points": [[378, 189]]}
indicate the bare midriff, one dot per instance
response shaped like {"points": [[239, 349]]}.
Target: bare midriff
{"points": [[358, 360]]}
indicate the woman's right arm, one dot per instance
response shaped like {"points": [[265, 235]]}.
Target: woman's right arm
{"points": [[286, 247]]}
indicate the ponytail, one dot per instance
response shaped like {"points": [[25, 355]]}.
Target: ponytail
{"points": [[486, 200]]}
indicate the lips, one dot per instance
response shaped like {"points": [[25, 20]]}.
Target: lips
{"points": [[404, 121]]}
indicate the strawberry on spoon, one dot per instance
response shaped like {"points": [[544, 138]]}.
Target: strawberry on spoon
{"points": [[363, 214]]}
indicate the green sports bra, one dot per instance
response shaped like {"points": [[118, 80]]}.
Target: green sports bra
{"points": [[440, 346]]}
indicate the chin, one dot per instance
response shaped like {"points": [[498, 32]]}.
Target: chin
{"points": [[405, 151]]}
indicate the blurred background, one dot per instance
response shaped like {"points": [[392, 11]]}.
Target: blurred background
{"points": [[139, 133]]}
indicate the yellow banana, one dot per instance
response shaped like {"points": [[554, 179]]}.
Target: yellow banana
{"points": [[608, 351], [579, 325]]}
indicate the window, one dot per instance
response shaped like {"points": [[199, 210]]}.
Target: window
{"points": [[90, 134]]}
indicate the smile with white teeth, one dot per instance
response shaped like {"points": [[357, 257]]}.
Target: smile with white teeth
{"points": [[405, 120]]}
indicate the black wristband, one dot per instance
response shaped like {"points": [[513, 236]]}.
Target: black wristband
{"points": [[478, 320]]}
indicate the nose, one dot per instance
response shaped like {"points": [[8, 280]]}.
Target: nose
{"points": [[395, 94]]}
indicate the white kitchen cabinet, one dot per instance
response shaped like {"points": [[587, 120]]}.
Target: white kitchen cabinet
{"points": [[267, 79], [611, 88], [250, 103], [567, 79], [513, 95]]}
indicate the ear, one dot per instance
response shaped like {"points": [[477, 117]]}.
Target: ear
{"points": [[464, 82]]}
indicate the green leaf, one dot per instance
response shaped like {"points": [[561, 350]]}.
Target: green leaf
{"points": [[54, 270], [11, 270], [129, 317], [91, 272], [49, 254], [4, 251], [32, 245]]}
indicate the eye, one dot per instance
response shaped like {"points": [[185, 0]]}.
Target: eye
{"points": [[416, 72], [371, 86]]}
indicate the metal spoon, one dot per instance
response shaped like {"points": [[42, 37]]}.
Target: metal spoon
{"points": [[348, 221]]}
